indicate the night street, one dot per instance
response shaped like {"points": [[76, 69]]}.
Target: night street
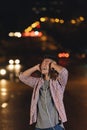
{"points": [[30, 31], [15, 102]]}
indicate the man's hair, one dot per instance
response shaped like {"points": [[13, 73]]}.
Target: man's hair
{"points": [[55, 58]]}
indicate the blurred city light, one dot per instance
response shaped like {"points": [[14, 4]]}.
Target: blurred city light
{"points": [[11, 61], [81, 18], [61, 21], [57, 20], [35, 24], [43, 19], [28, 29], [3, 88], [4, 105], [14, 68], [3, 91], [17, 34], [3, 72], [10, 67], [11, 34], [32, 34], [3, 82], [73, 21], [63, 55], [17, 67], [14, 34], [17, 61]]}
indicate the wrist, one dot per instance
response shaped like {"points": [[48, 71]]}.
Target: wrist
{"points": [[53, 64], [37, 67]]}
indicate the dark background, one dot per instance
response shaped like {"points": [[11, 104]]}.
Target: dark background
{"points": [[17, 15]]}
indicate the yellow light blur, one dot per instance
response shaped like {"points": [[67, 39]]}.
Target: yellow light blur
{"points": [[35, 24], [81, 18], [73, 21], [2, 71], [28, 29], [57, 20], [42, 19], [52, 20], [43, 38], [3, 82], [11, 61], [61, 21]]}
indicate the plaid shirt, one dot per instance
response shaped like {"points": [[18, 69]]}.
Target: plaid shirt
{"points": [[57, 88]]}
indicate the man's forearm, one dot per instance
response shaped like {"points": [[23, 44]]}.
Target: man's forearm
{"points": [[29, 71], [57, 67]]}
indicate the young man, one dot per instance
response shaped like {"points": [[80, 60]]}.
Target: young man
{"points": [[47, 108]]}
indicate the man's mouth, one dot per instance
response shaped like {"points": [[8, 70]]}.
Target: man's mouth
{"points": [[44, 68]]}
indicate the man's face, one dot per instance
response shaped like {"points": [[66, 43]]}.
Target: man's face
{"points": [[45, 66]]}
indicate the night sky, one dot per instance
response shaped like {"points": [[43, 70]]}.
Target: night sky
{"points": [[16, 15]]}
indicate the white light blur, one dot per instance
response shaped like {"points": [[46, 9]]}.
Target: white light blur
{"points": [[17, 61], [3, 72], [36, 32], [4, 105], [11, 61], [17, 69], [18, 66], [11, 34], [17, 34], [10, 67], [3, 93], [3, 89]]}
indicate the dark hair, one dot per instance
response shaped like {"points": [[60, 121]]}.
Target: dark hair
{"points": [[52, 73], [55, 58]]}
